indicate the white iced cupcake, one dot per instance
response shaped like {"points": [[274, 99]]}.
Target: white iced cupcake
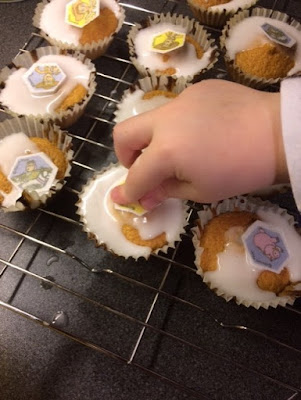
{"points": [[147, 94], [48, 84], [261, 47], [35, 160], [217, 12], [171, 45], [93, 38], [248, 251], [130, 231]]}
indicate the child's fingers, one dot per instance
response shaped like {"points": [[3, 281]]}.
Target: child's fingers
{"points": [[132, 136], [149, 170]]}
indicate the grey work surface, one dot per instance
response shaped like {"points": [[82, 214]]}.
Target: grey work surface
{"points": [[192, 347]]}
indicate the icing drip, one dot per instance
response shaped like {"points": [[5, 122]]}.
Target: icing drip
{"points": [[102, 219], [184, 60], [26, 103], [248, 34], [232, 5], [133, 104], [61, 31]]}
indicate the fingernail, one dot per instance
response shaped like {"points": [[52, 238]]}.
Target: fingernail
{"points": [[116, 195]]}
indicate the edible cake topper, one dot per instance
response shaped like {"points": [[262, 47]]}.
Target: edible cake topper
{"points": [[167, 41], [43, 79], [81, 12], [265, 247]]}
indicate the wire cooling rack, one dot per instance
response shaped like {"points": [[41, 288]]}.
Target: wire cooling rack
{"points": [[157, 316]]}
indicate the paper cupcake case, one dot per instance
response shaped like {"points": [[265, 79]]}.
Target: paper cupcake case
{"points": [[91, 50], [149, 84], [63, 118], [45, 130], [100, 242], [234, 71], [239, 204], [218, 17], [194, 29]]}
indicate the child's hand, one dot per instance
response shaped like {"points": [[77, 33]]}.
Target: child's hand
{"points": [[216, 140]]}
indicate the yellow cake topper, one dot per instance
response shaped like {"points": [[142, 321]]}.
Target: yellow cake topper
{"points": [[134, 208], [167, 41], [81, 12]]}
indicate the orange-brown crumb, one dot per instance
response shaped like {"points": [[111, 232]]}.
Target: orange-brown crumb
{"points": [[167, 71], [74, 97], [154, 93], [209, 3], [213, 236], [268, 61], [55, 154], [198, 49], [165, 57], [5, 186], [272, 282], [132, 234], [100, 28]]}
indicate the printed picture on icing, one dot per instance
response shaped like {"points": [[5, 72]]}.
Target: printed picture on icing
{"points": [[45, 77], [167, 41], [265, 247], [275, 33], [31, 174], [84, 10]]}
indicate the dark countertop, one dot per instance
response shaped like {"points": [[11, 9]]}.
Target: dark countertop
{"points": [[193, 346]]}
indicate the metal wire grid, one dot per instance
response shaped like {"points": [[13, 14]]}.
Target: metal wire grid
{"points": [[166, 294]]}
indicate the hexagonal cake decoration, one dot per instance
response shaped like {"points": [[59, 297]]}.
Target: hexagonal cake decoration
{"points": [[167, 41], [265, 247], [80, 13], [44, 78], [33, 172]]}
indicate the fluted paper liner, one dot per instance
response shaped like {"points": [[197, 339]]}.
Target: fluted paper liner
{"points": [[149, 84], [91, 50], [63, 118], [194, 29], [98, 240], [236, 204], [217, 17], [234, 71], [46, 130]]}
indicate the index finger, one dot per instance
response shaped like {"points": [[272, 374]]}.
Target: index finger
{"points": [[132, 136]]}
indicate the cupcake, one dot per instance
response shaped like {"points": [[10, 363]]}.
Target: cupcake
{"points": [[261, 47], [217, 12], [88, 27], [171, 45], [35, 159], [50, 85], [148, 93], [128, 231], [248, 250]]}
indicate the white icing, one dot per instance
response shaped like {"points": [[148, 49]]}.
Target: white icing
{"points": [[184, 60], [13, 146], [235, 276], [17, 97], [248, 34], [134, 104], [61, 31], [97, 209], [232, 5]]}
